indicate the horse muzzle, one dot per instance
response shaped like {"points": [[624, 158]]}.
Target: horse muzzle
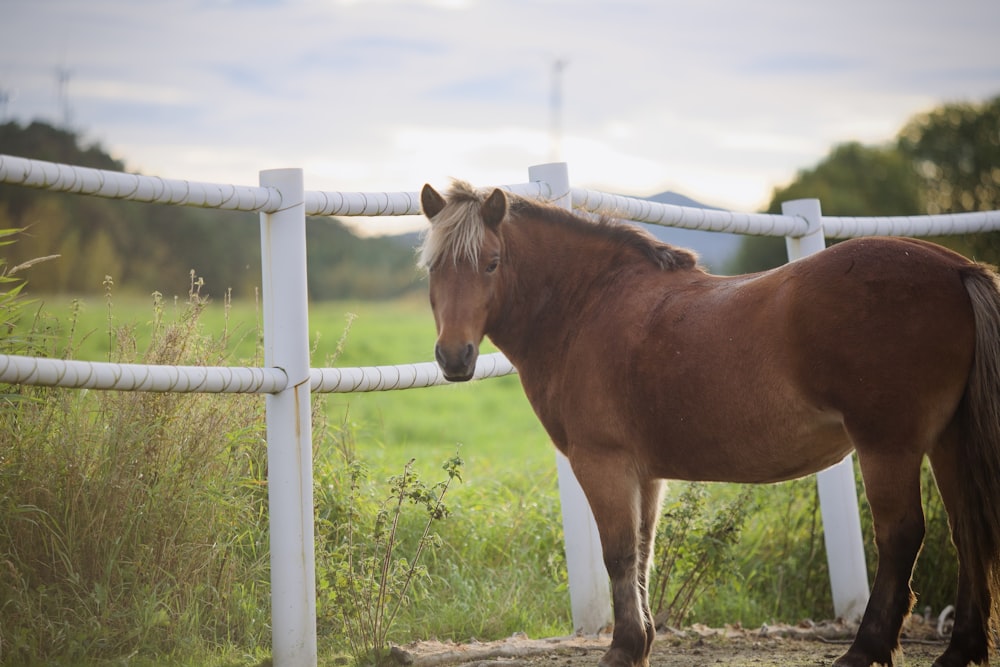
{"points": [[457, 362]]}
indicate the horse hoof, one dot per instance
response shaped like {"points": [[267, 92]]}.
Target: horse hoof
{"points": [[952, 658], [616, 657], [857, 659]]}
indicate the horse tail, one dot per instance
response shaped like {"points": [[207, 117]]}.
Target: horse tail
{"points": [[978, 523]]}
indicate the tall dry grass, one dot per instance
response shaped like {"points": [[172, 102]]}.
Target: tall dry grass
{"points": [[130, 523]]}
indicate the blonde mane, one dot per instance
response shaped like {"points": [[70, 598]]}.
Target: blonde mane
{"points": [[458, 229]]}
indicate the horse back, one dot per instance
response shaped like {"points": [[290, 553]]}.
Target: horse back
{"points": [[778, 374]]}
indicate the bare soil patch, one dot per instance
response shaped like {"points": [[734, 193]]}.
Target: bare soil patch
{"points": [[804, 645]]}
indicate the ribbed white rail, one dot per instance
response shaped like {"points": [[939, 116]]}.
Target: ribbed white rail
{"points": [[914, 225], [706, 219], [15, 369], [256, 199], [402, 376], [134, 187]]}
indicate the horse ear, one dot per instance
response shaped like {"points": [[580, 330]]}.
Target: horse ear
{"points": [[430, 201], [495, 209]]}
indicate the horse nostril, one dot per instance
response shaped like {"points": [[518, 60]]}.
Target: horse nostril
{"points": [[459, 358]]}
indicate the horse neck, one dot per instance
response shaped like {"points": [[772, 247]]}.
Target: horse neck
{"points": [[549, 284]]}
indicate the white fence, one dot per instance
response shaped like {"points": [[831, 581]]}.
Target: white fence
{"points": [[288, 380]]}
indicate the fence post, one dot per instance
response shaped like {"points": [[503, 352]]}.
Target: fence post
{"points": [[289, 426], [838, 496], [589, 591]]}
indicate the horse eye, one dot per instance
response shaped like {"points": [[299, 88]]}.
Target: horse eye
{"points": [[492, 266]]}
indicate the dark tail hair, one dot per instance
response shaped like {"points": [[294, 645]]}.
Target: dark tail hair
{"points": [[978, 528]]}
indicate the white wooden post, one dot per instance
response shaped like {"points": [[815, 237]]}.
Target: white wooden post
{"points": [[589, 591], [289, 426], [838, 495]]}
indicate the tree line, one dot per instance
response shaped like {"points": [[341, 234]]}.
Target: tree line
{"points": [[944, 161], [147, 248]]}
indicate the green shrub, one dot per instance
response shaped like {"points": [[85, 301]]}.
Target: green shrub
{"points": [[372, 562], [695, 550]]}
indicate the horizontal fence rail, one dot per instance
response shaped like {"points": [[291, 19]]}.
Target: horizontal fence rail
{"points": [[705, 219], [390, 203], [253, 199], [153, 189], [401, 376], [770, 224], [941, 224], [15, 369], [134, 187]]}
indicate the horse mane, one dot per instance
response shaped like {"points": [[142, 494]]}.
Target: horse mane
{"points": [[459, 230]]}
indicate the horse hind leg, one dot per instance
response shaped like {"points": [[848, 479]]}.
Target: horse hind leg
{"points": [[969, 643], [615, 497], [892, 485]]}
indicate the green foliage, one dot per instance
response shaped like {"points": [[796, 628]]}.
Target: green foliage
{"points": [[782, 570], [955, 149], [853, 180], [857, 180], [943, 161], [694, 550], [956, 152], [371, 564]]}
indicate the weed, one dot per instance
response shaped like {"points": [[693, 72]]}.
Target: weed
{"points": [[694, 549], [371, 571]]}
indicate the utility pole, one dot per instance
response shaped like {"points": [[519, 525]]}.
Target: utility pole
{"points": [[558, 65], [62, 83]]}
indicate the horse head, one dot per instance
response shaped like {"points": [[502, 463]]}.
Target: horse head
{"points": [[462, 253]]}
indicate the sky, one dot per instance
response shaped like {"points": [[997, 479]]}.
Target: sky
{"points": [[721, 100]]}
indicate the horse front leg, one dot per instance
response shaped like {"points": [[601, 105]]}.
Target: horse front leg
{"points": [[652, 500], [615, 498]]}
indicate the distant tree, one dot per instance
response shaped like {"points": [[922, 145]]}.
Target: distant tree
{"points": [[956, 152], [853, 180], [154, 247], [857, 180], [943, 161]]}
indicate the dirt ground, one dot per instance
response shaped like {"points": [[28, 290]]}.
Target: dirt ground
{"points": [[805, 645]]}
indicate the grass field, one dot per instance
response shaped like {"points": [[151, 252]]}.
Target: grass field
{"points": [[500, 567], [491, 420]]}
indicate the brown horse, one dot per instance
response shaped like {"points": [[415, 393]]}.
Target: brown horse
{"points": [[642, 367]]}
